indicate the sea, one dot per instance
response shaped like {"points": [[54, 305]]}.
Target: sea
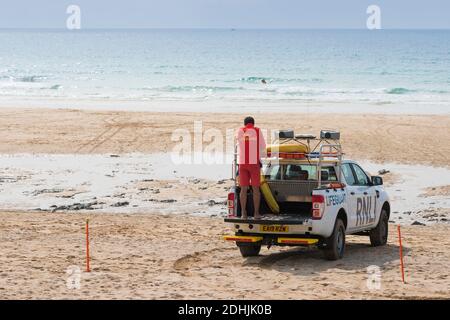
{"points": [[204, 69]]}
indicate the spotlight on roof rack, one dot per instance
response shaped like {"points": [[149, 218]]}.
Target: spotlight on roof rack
{"points": [[285, 134], [329, 134]]}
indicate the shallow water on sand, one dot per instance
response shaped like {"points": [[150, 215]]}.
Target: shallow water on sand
{"points": [[29, 182]]}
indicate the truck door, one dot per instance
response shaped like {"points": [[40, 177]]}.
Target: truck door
{"points": [[352, 191], [364, 198]]}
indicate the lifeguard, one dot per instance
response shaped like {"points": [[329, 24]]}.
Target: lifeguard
{"points": [[251, 145]]}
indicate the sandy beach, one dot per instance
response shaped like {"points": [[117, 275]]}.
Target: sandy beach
{"points": [[155, 256], [156, 233], [381, 138]]}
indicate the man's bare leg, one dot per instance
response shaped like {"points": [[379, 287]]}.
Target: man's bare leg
{"points": [[256, 201], [243, 199]]}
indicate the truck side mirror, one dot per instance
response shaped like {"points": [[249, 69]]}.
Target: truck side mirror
{"points": [[377, 181]]}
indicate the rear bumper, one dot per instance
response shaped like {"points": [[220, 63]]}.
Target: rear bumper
{"points": [[246, 239], [270, 239], [270, 225]]}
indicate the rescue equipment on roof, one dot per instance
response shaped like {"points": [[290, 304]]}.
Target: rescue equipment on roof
{"points": [[288, 151]]}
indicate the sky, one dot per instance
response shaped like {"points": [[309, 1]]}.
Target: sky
{"points": [[268, 14]]}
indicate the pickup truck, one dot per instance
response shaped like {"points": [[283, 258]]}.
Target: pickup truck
{"points": [[321, 198]]}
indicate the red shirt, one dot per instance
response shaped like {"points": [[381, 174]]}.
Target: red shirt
{"points": [[251, 144]]}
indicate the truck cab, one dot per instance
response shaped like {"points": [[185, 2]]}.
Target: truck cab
{"points": [[313, 197]]}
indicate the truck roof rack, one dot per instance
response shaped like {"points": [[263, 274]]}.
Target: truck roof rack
{"points": [[326, 148]]}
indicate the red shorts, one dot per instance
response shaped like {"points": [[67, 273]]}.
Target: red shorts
{"points": [[249, 175]]}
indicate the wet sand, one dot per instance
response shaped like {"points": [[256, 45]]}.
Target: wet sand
{"points": [[139, 183]]}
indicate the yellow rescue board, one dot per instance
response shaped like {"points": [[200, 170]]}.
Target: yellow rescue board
{"points": [[267, 193], [295, 148]]}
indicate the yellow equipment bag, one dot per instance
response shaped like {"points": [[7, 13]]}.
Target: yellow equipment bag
{"points": [[294, 148]]}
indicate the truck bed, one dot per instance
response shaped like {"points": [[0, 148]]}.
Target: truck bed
{"points": [[284, 219]]}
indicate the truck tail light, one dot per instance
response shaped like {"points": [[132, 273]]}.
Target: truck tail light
{"points": [[318, 206], [231, 198]]}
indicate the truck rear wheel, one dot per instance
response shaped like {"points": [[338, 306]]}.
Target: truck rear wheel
{"points": [[335, 244], [379, 235], [249, 250]]}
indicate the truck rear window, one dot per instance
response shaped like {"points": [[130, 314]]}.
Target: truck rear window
{"points": [[299, 172]]}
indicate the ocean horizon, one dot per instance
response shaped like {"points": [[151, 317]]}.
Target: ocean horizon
{"points": [[233, 67]]}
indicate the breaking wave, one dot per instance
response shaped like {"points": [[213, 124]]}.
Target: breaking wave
{"points": [[30, 79], [399, 91], [279, 80], [199, 88]]}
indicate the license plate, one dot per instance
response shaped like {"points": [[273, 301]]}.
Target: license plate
{"points": [[274, 228]]}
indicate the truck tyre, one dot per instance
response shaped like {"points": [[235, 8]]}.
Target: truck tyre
{"points": [[335, 244], [379, 235], [251, 250]]}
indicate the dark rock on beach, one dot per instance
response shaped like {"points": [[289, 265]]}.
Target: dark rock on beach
{"points": [[214, 203], [168, 201], [38, 192], [75, 207], [162, 201], [120, 204]]}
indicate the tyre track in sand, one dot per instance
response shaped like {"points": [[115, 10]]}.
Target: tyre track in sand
{"points": [[188, 262], [115, 125], [109, 122]]}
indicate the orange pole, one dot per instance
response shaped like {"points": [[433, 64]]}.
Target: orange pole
{"points": [[401, 253], [88, 269]]}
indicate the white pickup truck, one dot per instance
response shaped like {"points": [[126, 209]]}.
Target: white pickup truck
{"points": [[320, 199]]}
